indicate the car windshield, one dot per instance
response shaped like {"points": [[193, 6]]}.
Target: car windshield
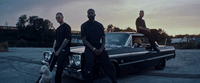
{"points": [[118, 39]]}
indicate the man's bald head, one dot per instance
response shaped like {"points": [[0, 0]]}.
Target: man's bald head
{"points": [[59, 17], [91, 10], [91, 14], [59, 13], [141, 13]]}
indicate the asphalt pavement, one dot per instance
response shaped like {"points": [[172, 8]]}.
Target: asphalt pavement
{"points": [[22, 65]]}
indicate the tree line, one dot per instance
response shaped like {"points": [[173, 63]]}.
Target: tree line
{"points": [[32, 32]]}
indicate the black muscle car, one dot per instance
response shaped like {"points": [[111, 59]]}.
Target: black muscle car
{"points": [[127, 51]]}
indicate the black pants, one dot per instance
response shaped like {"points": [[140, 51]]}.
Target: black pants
{"points": [[60, 59], [106, 65], [149, 35]]}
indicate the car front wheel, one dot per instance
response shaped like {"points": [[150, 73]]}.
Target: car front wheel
{"points": [[113, 68], [161, 64]]}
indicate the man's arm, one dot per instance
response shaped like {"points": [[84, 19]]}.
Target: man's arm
{"points": [[54, 45], [90, 46], [85, 42], [67, 36], [138, 25], [102, 39], [103, 45], [64, 43]]}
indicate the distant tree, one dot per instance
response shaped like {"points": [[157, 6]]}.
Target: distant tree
{"points": [[21, 26], [48, 24], [169, 39], [116, 29], [179, 36], [38, 30], [109, 28], [32, 19], [39, 23], [162, 35], [129, 29], [22, 20], [198, 35]]}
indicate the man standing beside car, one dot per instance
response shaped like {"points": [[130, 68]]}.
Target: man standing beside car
{"points": [[91, 33], [141, 28], [61, 47]]}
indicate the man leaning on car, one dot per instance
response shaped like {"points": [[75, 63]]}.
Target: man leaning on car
{"points": [[91, 33]]}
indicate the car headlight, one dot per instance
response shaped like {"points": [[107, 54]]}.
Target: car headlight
{"points": [[47, 55], [75, 61]]}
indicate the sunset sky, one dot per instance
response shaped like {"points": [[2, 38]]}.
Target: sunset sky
{"points": [[173, 16]]}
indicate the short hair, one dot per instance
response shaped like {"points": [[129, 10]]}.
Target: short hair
{"points": [[90, 10], [141, 11], [59, 13]]}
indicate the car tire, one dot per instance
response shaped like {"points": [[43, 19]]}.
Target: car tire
{"points": [[113, 66], [161, 64]]}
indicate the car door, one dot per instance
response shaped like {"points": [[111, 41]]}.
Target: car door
{"points": [[139, 56]]}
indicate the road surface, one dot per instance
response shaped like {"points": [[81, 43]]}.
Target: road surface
{"points": [[22, 65]]}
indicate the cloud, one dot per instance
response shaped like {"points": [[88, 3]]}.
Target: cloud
{"points": [[25, 5], [12, 9], [176, 20], [168, 15]]}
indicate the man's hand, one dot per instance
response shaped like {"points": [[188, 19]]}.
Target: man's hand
{"points": [[148, 29], [56, 53], [53, 51], [100, 51], [96, 52]]}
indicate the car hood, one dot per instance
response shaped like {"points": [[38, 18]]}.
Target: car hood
{"points": [[78, 49]]}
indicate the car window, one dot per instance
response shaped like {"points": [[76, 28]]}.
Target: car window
{"points": [[116, 38], [140, 41], [76, 40]]}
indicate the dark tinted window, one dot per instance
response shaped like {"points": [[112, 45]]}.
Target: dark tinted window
{"points": [[116, 38]]}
